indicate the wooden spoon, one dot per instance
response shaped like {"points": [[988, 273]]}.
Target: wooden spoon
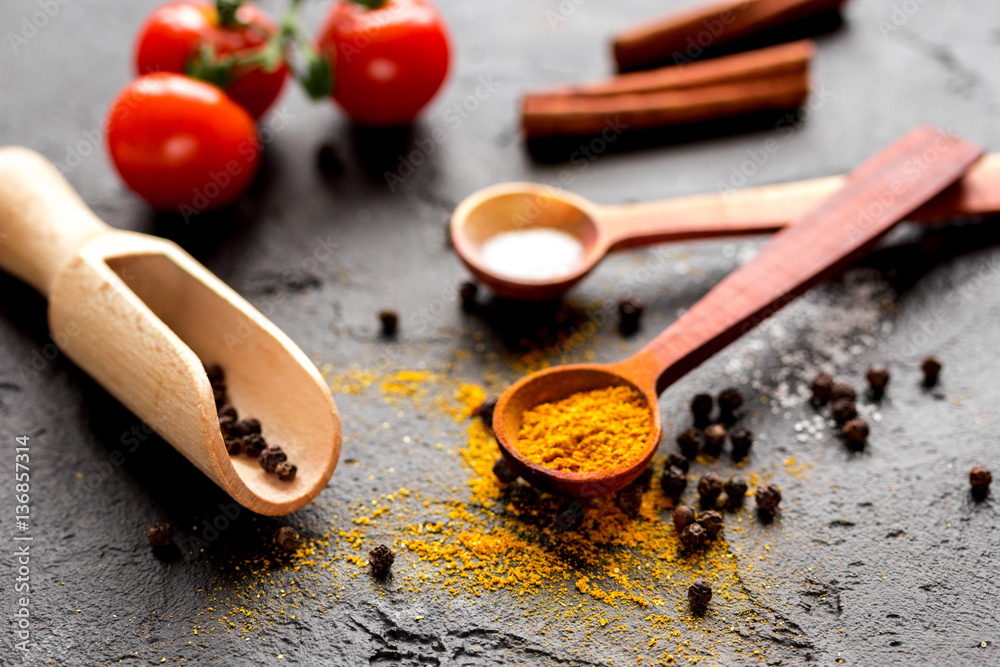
{"points": [[602, 229], [140, 315], [875, 197]]}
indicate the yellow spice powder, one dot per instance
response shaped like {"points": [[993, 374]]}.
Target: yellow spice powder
{"points": [[588, 431]]}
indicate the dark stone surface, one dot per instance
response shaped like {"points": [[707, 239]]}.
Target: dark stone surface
{"points": [[879, 557]]}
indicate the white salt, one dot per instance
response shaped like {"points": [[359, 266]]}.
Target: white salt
{"points": [[532, 254]]}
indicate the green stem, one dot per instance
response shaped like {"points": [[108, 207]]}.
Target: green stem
{"points": [[370, 4], [310, 69], [227, 11]]}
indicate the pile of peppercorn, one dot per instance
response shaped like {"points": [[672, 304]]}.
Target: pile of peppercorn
{"points": [[709, 435], [244, 435]]}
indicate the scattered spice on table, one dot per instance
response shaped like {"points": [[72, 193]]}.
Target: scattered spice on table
{"points": [[629, 315], [587, 431], [693, 537], [629, 500], [878, 378], [700, 594], [730, 400], [381, 559], [676, 460], [287, 538], [161, 534], [931, 367], [768, 497]]}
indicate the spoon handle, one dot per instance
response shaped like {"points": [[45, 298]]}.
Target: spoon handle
{"points": [[767, 209], [43, 221], [876, 196]]}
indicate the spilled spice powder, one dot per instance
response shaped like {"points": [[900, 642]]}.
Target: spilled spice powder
{"points": [[588, 431]]}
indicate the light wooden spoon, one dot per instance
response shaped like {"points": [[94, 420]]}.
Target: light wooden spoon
{"points": [[839, 229], [601, 229], [140, 315]]}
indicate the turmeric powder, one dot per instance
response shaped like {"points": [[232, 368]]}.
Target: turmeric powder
{"points": [[587, 432]]}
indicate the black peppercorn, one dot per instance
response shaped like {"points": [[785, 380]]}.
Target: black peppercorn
{"points": [[683, 517], [676, 460], [271, 457], [504, 473], [709, 488], [227, 413], [234, 444], [822, 386], [689, 441], [629, 500], [467, 294], [486, 409], [742, 440], [286, 471], [701, 408], [645, 478], [699, 594], [715, 438], [673, 481], [215, 374], [161, 534], [629, 314], [736, 490], [246, 427], [843, 390], [932, 371], [381, 559], [569, 517], [730, 400], [253, 444], [390, 322], [844, 410], [856, 431], [219, 395], [287, 538], [878, 378], [768, 496], [693, 537], [711, 521], [980, 478]]}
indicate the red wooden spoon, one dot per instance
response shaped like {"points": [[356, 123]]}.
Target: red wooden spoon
{"points": [[876, 196]]}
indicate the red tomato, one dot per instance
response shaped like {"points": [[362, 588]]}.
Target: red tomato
{"points": [[173, 35], [182, 144], [388, 62]]}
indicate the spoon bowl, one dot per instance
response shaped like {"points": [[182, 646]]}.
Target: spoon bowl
{"points": [[516, 207], [601, 229], [554, 384]]}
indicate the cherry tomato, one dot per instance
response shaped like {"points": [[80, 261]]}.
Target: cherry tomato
{"points": [[172, 37], [388, 62], [182, 144]]}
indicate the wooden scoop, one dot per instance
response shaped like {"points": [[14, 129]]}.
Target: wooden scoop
{"points": [[602, 229], [875, 197], [140, 315]]}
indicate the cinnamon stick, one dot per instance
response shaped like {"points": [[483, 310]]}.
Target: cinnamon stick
{"points": [[549, 116], [683, 37], [792, 58]]}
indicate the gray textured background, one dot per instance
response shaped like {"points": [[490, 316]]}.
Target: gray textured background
{"points": [[903, 562]]}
